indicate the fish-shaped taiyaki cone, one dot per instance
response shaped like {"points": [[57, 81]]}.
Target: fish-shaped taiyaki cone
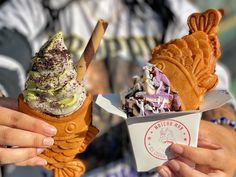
{"points": [[189, 62], [74, 133], [53, 93]]}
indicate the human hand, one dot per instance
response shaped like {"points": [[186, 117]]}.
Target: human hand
{"points": [[215, 155], [26, 135], [213, 163]]}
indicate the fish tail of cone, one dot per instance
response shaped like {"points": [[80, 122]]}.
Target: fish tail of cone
{"points": [[207, 21], [75, 168]]}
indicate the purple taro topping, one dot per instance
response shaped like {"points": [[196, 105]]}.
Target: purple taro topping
{"points": [[150, 94]]}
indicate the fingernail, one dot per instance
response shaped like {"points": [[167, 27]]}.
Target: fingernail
{"points": [[177, 148], [50, 130], [41, 162], [174, 165], [40, 150], [163, 173], [48, 141]]}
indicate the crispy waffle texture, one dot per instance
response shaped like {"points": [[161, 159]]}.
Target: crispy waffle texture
{"points": [[74, 133], [189, 62]]}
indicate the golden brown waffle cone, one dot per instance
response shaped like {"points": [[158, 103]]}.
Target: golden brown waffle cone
{"points": [[74, 133], [189, 62]]}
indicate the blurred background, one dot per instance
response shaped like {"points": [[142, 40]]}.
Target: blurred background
{"points": [[110, 153]]}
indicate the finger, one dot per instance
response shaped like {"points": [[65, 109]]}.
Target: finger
{"points": [[33, 161], [203, 168], [22, 138], [9, 103], [181, 169], [186, 161], [207, 144], [213, 158], [20, 120], [17, 155], [164, 171]]}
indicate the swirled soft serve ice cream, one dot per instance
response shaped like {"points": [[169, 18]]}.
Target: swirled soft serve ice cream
{"points": [[150, 94], [51, 86]]}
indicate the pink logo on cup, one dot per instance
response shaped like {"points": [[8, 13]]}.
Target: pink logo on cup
{"points": [[162, 134]]}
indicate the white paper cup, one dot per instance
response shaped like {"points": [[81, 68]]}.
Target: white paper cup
{"points": [[151, 136]]}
